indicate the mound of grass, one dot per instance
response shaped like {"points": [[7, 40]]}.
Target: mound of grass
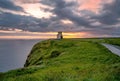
{"points": [[68, 60], [114, 41]]}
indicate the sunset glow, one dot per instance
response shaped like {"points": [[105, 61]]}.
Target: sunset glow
{"points": [[41, 35]]}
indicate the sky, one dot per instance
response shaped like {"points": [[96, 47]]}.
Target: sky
{"points": [[83, 18]]}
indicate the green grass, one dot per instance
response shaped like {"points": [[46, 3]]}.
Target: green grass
{"points": [[69, 60]]}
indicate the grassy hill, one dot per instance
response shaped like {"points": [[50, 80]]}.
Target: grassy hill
{"points": [[69, 60]]}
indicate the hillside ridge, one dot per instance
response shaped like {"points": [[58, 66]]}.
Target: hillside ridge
{"points": [[68, 60]]}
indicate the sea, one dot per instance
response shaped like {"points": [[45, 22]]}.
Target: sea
{"points": [[14, 52]]}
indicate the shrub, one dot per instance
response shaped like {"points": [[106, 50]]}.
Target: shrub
{"points": [[55, 54]]}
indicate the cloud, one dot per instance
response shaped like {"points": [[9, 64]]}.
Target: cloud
{"points": [[16, 21], [108, 19], [28, 1], [90, 5], [8, 4], [97, 16], [34, 8], [65, 10], [23, 22], [111, 13]]}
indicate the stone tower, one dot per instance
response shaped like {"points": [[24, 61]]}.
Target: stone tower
{"points": [[59, 35]]}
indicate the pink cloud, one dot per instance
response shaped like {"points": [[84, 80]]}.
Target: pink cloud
{"points": [[92, 5]]}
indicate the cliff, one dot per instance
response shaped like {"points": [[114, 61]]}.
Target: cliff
{"points": [[68, 60]]}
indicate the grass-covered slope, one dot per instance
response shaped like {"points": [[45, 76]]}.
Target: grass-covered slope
{"points": [[68, 60]]}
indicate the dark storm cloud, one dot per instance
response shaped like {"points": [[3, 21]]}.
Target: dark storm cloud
{"points": [[109, 19], [29, 1], [103, 23], [8, 4], [64, 10], [110, 13], [10, 20], [17, 21]]}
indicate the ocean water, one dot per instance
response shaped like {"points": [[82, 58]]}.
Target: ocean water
{"points": [[13, 53]]}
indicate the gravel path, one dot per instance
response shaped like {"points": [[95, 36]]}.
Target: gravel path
{"points": [[113, 48]]}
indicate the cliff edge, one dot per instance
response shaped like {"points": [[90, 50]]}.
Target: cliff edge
{"points": [[68, 60]]}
